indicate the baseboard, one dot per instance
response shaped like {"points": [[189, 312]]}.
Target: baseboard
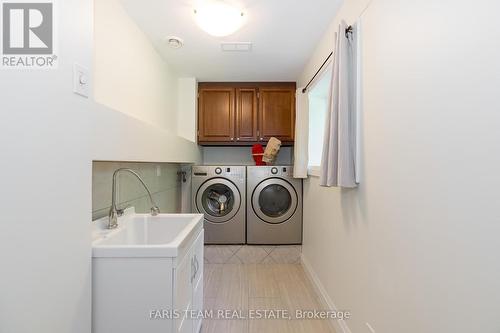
{"points": [[340, 326]]}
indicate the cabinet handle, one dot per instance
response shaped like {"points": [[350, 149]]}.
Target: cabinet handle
{"points": [[232, 139], [193, 270], [261, 139], [197, 266], [237, 139]]}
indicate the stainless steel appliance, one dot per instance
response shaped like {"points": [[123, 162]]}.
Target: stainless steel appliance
{"points": [[218, 192], [274, 201]]}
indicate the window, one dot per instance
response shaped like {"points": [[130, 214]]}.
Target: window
{"points": [[318, 106]]}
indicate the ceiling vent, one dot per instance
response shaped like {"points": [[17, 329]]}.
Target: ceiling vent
{"points": [[236, 47], [174, 42]]}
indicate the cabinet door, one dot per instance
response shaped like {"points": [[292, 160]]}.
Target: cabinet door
{"points": [[216, 115], [246, 114], [183, 293], [277, 113], [198, 281]]}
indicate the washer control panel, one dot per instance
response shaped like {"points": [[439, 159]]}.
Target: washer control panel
{"points": [[237, 172]]}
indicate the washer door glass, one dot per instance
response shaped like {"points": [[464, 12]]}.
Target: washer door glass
{"points": [[218, 199], [274, 200]]}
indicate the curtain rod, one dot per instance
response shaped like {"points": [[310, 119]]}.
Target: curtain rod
{"points": [[317, 72], [347, 31]]}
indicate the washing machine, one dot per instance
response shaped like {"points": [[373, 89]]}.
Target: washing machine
{"points": [[219, 193], [274, 201]]}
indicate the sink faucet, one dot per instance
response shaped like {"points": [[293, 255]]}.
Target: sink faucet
{"points": [[114, 212]]}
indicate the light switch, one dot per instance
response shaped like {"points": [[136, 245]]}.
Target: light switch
{"points": [[81, 80]]}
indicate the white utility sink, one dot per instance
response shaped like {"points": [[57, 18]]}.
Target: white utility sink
{"points": [[148, 263], [143, 235]]}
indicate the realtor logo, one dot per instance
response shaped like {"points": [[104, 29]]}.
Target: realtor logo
{"points": [[28, 34]]}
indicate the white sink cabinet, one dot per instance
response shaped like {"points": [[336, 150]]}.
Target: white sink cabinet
{"points": [[147, 275]]}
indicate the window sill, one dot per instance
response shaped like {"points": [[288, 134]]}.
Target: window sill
{"points": [[313, 171]]}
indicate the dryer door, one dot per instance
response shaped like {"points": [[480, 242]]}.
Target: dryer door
{"points": [[219, 199], [274, 200]]}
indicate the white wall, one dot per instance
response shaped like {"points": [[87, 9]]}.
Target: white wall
{"points": [[187, 105], [45, 192], [414, 248], [49, 138], [130, 75], [119, 137]]}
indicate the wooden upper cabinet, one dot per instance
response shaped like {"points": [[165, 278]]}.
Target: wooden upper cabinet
{"points": [[246, 114], [277, 113], [216, 114]]}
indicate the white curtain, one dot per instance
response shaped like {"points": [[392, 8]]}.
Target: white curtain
{"points": [[339, 146], [301, 153]]}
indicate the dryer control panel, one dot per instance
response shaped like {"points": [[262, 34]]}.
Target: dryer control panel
{"points": [[285, 171]]}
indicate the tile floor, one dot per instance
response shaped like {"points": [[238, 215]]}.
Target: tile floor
{"points": [[252, 254], [259, 286]]}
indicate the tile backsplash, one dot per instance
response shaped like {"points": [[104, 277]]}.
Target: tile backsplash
{"points": [[161, 179]]}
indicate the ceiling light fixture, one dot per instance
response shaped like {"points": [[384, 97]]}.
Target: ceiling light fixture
{"points": [[218, 18]]}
